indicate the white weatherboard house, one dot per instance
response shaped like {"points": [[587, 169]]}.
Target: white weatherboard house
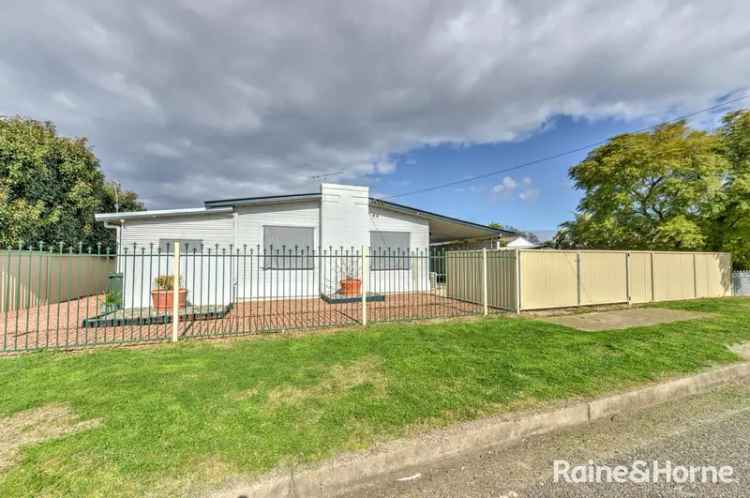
{"points": [[338, 217]]}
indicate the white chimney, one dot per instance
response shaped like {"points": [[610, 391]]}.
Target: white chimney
{"points": [[344, 216]]}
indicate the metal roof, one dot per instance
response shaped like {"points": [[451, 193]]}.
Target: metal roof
{"points": [[430, 214], [159, 213], [242, 201], [227, 205], [270, 199]]}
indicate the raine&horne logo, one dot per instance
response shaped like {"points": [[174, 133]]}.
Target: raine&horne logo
{"points": [[641, 472]]}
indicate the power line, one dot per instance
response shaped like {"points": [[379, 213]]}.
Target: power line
{"points": [[326, 175], [560, 154]]}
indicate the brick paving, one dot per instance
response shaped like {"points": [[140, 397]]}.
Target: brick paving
{"points": [[60, 325]]}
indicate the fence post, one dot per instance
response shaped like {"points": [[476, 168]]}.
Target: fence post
{"points": [[695, 277], [653, 285], [364, 285], [518, 280], [484, 281], [176, 292], [578, 276], [627, 278]]}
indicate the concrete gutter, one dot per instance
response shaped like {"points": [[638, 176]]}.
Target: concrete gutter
{"points": [[336, 474]]}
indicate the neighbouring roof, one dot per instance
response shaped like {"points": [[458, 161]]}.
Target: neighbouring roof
{"points": [[521, 242]]}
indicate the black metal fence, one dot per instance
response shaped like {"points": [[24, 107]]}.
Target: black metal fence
{"points": [[54, 297]]}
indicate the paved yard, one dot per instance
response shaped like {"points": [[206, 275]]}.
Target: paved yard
{"points": [[61, 324], [624, 319]]}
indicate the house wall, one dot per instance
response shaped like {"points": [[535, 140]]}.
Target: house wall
{"points": [[417, 278], [211, 228], [256, 282], [231, 265], [207, 275], [344, 211]]}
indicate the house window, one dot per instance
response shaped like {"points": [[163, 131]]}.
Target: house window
{"points": [[288, 248], [186, 245], [389, 250]]}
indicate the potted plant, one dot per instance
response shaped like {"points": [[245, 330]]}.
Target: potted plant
{"points": [[163, 296], [351, 284]]}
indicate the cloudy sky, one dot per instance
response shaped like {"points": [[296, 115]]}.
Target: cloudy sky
{"points": [[190, 100]]}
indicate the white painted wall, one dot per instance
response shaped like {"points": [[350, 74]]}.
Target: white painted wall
{"points": [[344, 213], [256, 282], [341, 219], [211, 228], [207, 276], [417, 278]]}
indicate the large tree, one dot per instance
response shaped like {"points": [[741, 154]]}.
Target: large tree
{"points": [[673, 188], [731, 227], [51, 186]]}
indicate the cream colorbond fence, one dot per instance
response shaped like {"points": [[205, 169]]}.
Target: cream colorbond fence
{"points": [[465, 272], [33, 278], [541, 279]]}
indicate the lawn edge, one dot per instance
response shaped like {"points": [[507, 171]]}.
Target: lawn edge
{"points": [[335, 474]]}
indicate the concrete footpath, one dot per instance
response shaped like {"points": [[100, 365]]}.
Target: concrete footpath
{"points": [[339, 474]]}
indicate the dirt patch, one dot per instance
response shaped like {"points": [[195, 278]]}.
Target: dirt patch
{"points": [[338, 380], [245, 394], [742, 349], [37, 425], [577, 310], [624, 319]]}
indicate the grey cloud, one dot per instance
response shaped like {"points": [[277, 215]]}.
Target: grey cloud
{"points": [[186, 101]]}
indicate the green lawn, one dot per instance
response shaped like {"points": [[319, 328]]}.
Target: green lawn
{"points": [[170, 416]]}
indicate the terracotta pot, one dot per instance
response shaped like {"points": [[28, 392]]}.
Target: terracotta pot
{"points": [[351, 286], [164, 299]]}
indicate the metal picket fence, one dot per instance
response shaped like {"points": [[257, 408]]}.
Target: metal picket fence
{"points": [[55, 297]]}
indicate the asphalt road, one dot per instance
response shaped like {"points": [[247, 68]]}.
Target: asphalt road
{"points": [[710, 429]]}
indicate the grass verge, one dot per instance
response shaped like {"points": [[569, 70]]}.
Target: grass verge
{"points": [[170, 418]]}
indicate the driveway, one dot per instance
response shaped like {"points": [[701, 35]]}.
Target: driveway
{"points": [[624, 319], [710, 429]]}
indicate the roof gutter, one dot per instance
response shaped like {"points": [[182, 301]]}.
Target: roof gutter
{"points": [[164, 213]]}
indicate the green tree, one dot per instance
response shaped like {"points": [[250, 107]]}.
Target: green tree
{"points": [[673, 188], [731, 227], [51, 186]]}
